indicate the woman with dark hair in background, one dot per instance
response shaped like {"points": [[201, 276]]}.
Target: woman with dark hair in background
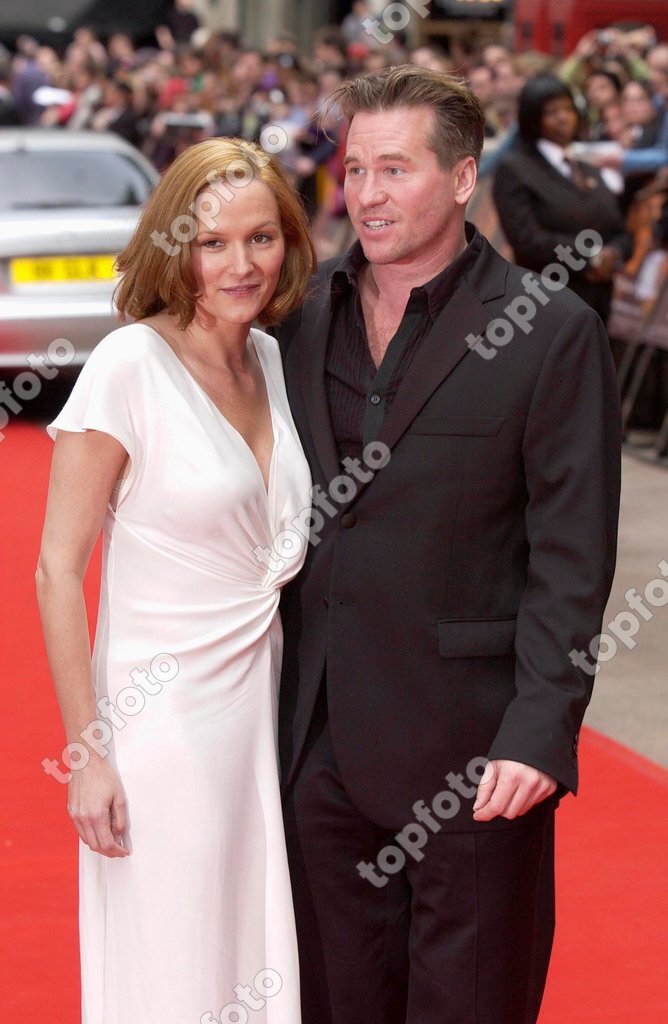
{"points": [[545, 198]]}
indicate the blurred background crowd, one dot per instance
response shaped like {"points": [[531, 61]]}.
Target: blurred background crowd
{"points": [[597, 115]]}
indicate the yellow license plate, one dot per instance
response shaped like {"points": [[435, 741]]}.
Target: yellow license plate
{"points": [[60, 269]]}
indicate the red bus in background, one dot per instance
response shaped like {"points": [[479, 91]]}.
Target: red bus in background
{"points": [[555, 26]]}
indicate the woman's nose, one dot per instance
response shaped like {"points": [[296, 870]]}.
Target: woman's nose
{"points": [[240, 261]]}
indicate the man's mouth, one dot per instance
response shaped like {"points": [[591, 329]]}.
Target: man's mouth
{"points": [[376, 224]]}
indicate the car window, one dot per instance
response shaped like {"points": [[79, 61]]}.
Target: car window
{"points": [[58, 179]]}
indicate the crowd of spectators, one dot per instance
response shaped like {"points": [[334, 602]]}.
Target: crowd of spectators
{"points": [[192, 83]]}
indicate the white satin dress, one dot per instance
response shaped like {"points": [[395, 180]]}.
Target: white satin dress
{"points": [[196, 925]]}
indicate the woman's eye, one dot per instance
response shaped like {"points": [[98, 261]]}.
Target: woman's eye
{"points": [[211, 243], [261, 237]]}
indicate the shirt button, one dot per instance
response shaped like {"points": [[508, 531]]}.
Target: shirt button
{"points": [[348, 519], [375, 399]]}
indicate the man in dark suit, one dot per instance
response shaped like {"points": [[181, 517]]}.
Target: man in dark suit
{"points": [[429, 635]]}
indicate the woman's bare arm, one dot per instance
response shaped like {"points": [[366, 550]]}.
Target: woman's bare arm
{"points": [[84, 470]]}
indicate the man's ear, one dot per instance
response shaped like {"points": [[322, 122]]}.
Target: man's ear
{"points": [[465, 173]]}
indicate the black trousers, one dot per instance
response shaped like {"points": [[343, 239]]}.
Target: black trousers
{"points": [[462, 936]]}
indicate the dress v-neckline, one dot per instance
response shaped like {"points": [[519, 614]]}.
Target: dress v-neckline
{"points": [[266, 485]]}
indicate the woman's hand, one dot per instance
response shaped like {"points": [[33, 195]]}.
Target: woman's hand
{"points": [[97, 806], [587, 45]]}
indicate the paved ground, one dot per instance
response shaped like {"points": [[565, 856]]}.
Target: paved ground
{"points": [[630, 701]]}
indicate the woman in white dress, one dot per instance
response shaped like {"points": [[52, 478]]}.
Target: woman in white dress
{"points": [[177, 442]]}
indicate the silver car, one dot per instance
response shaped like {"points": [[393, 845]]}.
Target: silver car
{"points": [[69, 202]]}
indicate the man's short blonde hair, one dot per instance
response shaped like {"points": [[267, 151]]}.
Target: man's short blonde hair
{"points": [[459, 121]]}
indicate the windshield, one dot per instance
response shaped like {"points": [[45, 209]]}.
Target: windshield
{"points": [[57, 180]]}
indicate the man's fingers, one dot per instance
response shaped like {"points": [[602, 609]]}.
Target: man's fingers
{"points": [[518, 788], [499, 799], [495, 790], [485, 790], [545, 788]]}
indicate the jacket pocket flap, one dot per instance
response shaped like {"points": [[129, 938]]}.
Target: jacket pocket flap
{"points": [[476, 638], [464, 426]]}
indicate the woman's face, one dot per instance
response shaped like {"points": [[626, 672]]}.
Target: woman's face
{"points": [[238, 253], [559, 121], [637, 106]]}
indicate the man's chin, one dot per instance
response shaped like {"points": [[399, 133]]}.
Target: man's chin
{"points": [[378, 253]]}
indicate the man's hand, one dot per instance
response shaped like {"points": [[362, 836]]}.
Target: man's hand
{"points": [[510, 789]]}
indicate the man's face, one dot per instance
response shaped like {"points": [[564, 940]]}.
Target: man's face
{"points": [[405, 208]]}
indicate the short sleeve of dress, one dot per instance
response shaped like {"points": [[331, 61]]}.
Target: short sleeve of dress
{"points": [[102, 397]]}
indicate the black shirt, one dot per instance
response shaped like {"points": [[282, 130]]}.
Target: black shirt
{"points": [[358, 394]]}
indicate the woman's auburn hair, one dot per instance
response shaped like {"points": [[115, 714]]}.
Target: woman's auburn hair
{"points": [[156, 265]]}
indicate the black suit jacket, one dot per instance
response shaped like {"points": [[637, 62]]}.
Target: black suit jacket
{"points": [[446, 595], [539, 209]]}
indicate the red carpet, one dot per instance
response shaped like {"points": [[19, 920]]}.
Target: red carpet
{"points": [[608, 964]]}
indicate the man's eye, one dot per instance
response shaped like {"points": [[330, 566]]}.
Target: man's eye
{"points": [[353, 171], [393, 170]]}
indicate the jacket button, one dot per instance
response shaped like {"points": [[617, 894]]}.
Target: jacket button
{"points": [[348, 519]]}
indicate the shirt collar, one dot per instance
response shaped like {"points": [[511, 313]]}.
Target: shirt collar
{"points": [[554, 154], [435, 292]]}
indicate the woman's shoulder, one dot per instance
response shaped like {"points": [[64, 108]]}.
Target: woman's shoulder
{"points": [[128, 343]]}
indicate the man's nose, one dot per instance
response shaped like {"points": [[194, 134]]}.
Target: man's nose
{"points": [[372, 190]]}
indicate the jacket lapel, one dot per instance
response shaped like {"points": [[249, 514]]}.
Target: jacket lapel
{"points": [[312, 354]]}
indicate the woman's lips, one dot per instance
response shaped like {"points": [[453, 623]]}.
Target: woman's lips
{"points": [[242, 291]]}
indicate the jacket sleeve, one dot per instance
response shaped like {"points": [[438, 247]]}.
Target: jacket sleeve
{"points": [[651, 159], [571, 455]]}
